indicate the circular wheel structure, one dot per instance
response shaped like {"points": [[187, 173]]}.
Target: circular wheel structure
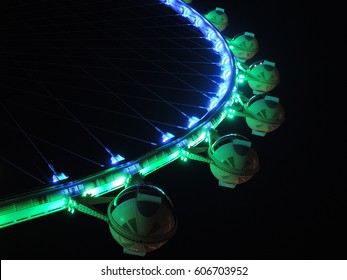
{"points": [[167, 78]]}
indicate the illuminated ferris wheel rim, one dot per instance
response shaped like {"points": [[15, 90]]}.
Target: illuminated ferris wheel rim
{"points": [[116, 177], [214, 114]]}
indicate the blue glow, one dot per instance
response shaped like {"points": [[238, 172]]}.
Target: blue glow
{"points": [[188, 14], [59, 177], [222, 89], [116, 158], [211, 34], [167, 136], [213, 102], [219, 47], [226, 74], [193, 120], [198, 22], [225, 60]]}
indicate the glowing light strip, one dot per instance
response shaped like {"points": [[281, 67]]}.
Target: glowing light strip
{"points": [[32, 209], [107, 187], [158, 163], [213, 35], [198, 140]]}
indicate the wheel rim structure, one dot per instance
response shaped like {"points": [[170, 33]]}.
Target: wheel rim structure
{"points": [[57, 197]]}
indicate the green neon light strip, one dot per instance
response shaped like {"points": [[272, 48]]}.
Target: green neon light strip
{"points": [[106, 187], [197, 140], [156, 162], [32, 208], [220, 119], [21, 212]]}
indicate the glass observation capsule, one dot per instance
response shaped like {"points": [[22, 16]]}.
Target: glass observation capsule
{"points": [[234, 160], [265, 114], [141, 219], [244, 46], [262, 76]]}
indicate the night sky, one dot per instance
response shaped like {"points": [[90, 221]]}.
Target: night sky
{"points": [[291, 209]]}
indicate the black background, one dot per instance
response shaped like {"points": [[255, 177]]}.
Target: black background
{"points": [[292, 209]]}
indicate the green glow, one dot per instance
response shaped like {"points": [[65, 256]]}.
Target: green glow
{"points": [[231, 113], [240, 78], [197, 140], [158, 162], [102, 187], [184, 156], [196, 157], [71, 206], [21, 212], [220, 119]]}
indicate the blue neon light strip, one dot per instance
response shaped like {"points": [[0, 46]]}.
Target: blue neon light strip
{"points": [[212, 34], [220, 46]]}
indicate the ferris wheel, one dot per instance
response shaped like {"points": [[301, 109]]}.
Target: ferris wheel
{"points": [[221, 86]]}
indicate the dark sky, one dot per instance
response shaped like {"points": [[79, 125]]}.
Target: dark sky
{"points": [[292, 209]]}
